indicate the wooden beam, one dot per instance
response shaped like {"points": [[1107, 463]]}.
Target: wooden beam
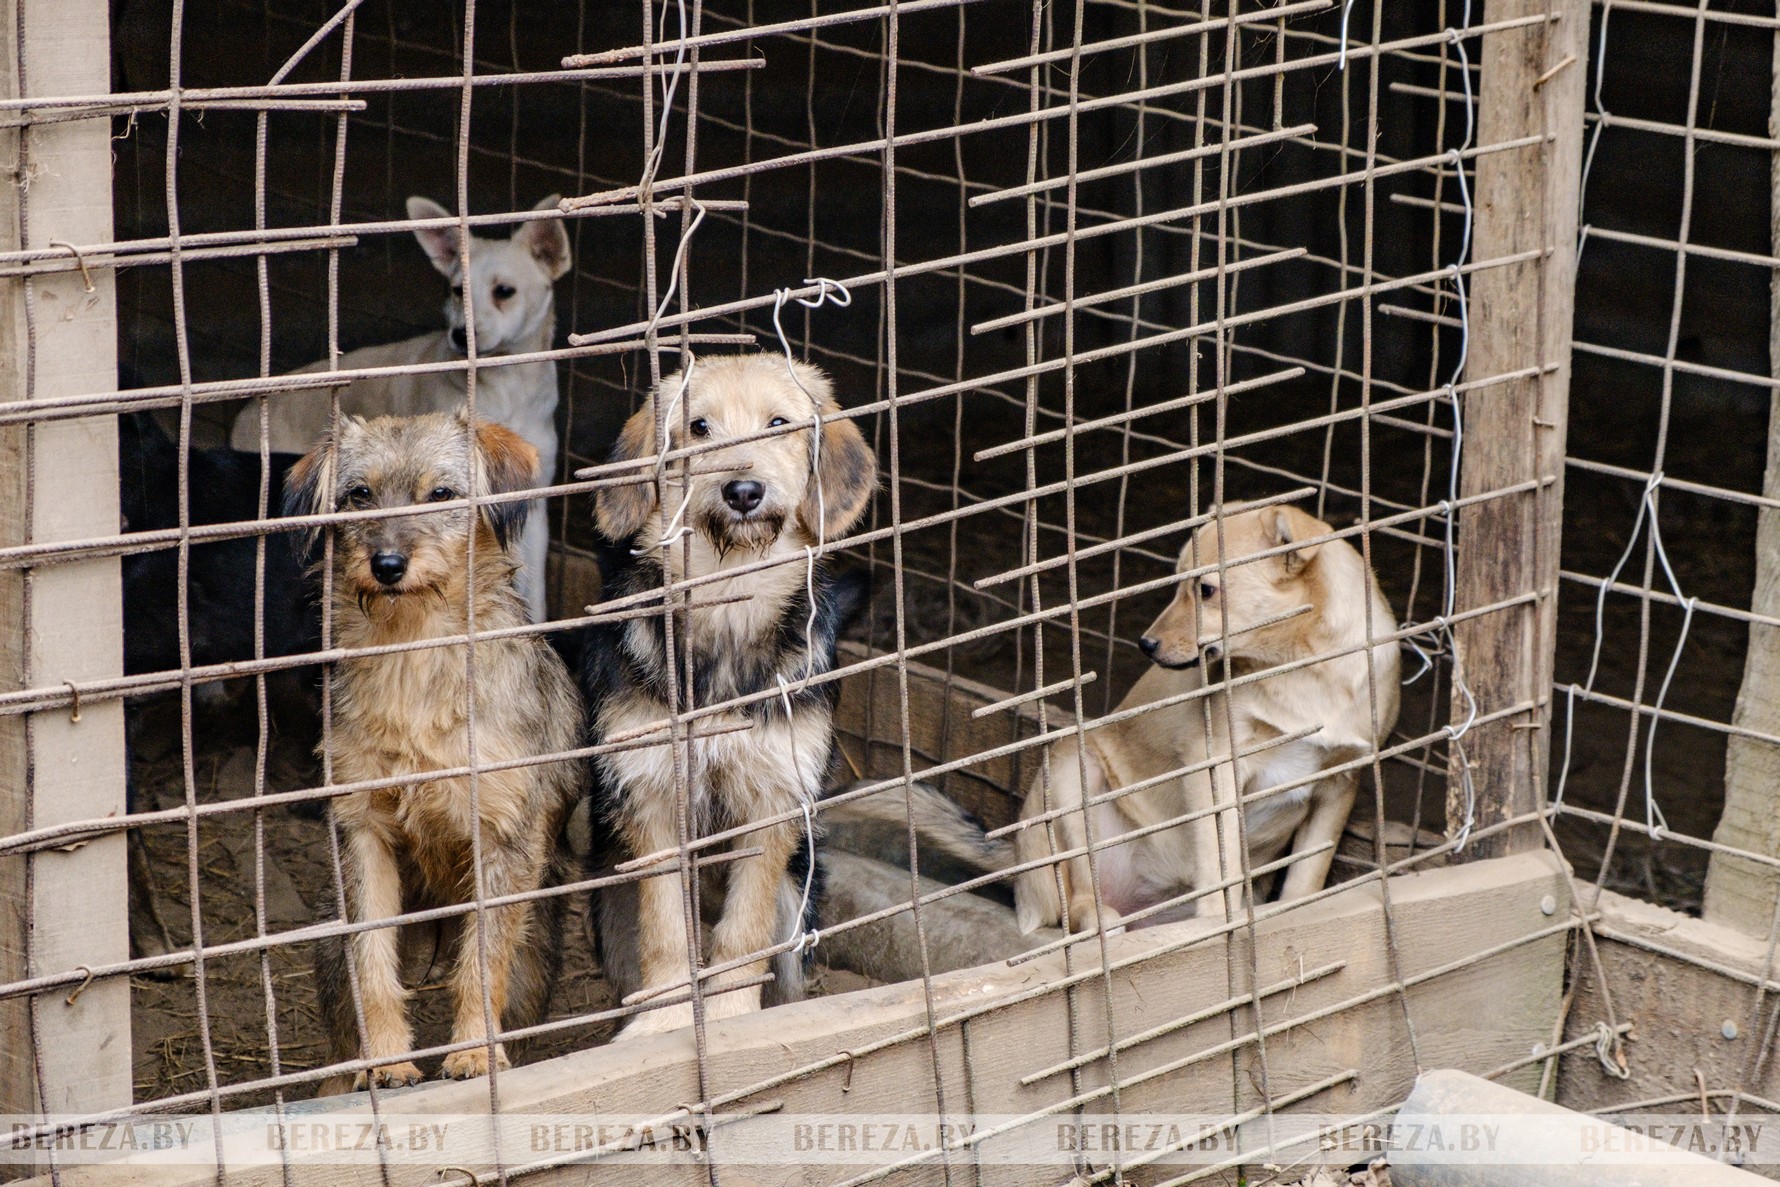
{"points": [[1480, 996], [1740, 892], [1698, 996], [1520, 317], [61, 910]]}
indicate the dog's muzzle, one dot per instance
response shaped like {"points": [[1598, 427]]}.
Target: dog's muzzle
{"points": [[389, 567], [1150, 647], [743, 495]]}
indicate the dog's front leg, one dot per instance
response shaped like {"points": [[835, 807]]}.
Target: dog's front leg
{"points": [[374, 889], [1216, 839], [1331, 803], [663, 952], [750, 918], [492, 937]]}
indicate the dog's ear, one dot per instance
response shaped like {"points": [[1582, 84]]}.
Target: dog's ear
{"points": [[622, 511], [439, 243], [847, 471], [546, 240], [507, 463], [1286, 524], [309, 490]]}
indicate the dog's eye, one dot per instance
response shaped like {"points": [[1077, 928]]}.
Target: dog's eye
{"points": [[776, 421], [441, 494], [457, 290], [359, 494], [503, 292], [1207, 590], [700, 428]]}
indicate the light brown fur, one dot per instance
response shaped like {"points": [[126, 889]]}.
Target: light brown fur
{"points": [[1333, 580], [736, 647], [409, 847]]}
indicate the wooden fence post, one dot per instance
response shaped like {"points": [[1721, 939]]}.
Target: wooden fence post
{"points": [[60, 910], [1741, 893], [1520, 317]]}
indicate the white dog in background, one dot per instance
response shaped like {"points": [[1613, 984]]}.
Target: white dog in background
{"points": [[512, 284]]}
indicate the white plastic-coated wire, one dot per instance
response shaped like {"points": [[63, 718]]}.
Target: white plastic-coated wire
{"points": [[1347, 11], [674, 530], [669, 85], [1594, 138], [805, 940], [1441, 637], [1653, 814], [826, 290]]}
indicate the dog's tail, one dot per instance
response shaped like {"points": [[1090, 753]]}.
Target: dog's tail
{"points": [[877, 826]]}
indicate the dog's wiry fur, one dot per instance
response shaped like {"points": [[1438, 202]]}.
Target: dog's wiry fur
{"points": [[730, 648], [1334, 581], [509, 283], [409, 847]]}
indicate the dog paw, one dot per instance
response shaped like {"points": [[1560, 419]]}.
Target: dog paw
{"points": [[392, 1075], [733, 1004], [466, 1065], [656, 1022], [1082, 918]]}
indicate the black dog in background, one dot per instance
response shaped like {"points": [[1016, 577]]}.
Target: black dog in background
{"points": [[223, 487]]}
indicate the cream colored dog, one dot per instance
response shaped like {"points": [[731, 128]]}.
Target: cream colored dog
{"points": [[511, 284], [1252, 610]]}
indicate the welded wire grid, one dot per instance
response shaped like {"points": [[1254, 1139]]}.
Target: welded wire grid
{"points": [[1671, 353], [1670, 404], [1109, 267]]}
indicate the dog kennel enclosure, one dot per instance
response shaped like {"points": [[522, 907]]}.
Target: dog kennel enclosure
{"points": [[1476, 283]]}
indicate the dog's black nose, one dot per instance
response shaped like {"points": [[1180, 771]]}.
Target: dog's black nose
{"points": [[743, 495], [459, 338], [388, 567], [1148, 646]]}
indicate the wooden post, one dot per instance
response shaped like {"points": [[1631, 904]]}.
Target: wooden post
{"points": [[1532, 82], [1742, 893], [58, 481]]}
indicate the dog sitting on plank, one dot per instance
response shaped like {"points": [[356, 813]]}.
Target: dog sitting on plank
{"points": [[1268, 576], [407, 579], [777, 491]]}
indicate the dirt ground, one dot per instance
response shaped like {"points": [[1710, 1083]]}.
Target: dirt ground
{"points": [[167, 1014]]}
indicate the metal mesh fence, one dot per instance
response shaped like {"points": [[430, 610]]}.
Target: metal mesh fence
{"points": [[1084, 278]]}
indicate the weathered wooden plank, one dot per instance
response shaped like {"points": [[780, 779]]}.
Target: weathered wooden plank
{"points": [[1689, 989], [1520, 316], [940, 728], [1480, 995], [62, 910]]}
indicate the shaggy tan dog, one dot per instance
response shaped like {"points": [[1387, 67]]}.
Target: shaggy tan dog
{"points": [[766, 497], [404, 579]]}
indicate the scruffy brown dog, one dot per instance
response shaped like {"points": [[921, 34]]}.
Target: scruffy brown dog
{"points": [[402, 579], [760, 490]]}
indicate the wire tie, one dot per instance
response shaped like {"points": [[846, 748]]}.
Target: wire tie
{"points": [[1611, 1052], [74, 709], [826, 290], [86, 277], [82, 987], [847, 1083], [465, 1171]]}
